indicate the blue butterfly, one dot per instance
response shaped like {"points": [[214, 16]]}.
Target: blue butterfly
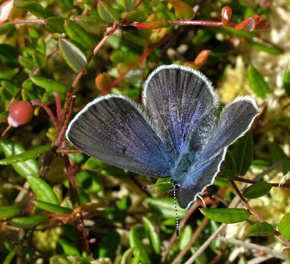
{"points": [[176, 134]]}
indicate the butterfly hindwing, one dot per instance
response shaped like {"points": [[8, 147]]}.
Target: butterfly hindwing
{"points": [[235, 120], [115, 130], [175, 97]]}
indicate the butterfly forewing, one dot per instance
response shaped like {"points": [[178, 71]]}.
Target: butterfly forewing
{"points": [[175, 97], [113, 129]]}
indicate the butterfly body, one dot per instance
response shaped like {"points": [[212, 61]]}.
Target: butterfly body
{"points": [[176, 134]]}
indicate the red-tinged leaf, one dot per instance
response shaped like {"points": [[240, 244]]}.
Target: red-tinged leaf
{"points": [[53, 208], [182, 10], [5, 10], [257, 190], [8, 211], [284, 226], [152, 25], [226, 15], [248, 24], [260, 229], [42, 189], [226, 215], [73, 56]]}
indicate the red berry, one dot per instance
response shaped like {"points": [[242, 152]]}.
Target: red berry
{"points": [[20, 113]]}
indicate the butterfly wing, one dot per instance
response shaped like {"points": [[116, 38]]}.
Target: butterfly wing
{"points": [[115, 130], [175, 97], [201, 176], [235, 120]]}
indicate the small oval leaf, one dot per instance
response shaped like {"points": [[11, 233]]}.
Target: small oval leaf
{"points": [[22, 168], [107, 13], [136, 243], [28, 222], [153, 235], [257, 82], [49, 84], [79, 35], [137, 16], [226, 215], [228, 167], [34, 8], [260, 229], [52, 207], [243, 153], [257, 190], [42, 189], [284, 226], [73, 56], [27, 155], [91, 24], [8, 211], [55, 24]]}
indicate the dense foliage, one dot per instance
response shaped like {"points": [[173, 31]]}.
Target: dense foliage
{"points": [[58, 205]]}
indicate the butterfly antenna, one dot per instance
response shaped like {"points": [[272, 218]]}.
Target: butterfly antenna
{"points": [[203, 202], [175, 208]]}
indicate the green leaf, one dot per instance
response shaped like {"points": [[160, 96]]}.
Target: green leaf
{"points": [[79, 35], [185, 236], [284, 226], [22, 168], [73, 56], [226, 215], [165, 207], [9, 55], [94, 164], [119, 56], [182, 10], [34, 8], [25, 62], [42, 189], [260, 229], [68, 248], [286, 166], [263, 47], [243, 153], [127, 256], [4, 29], [257, 190], [276, 152], [109, 244], [9, 89], [91, 24], [11, 255], [39, 59], [28, 222], [49, 84], [228, 167], [27, 155], [127, 4], [286, 82], [153, 234], [8, 211], [136, 243], [257, 82], [52, 207], [137, 16], [107, 13], [55, 24]]}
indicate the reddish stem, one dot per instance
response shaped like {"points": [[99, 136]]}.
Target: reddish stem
{"points": [[58, 104], [200, 23], [47, 109]]}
